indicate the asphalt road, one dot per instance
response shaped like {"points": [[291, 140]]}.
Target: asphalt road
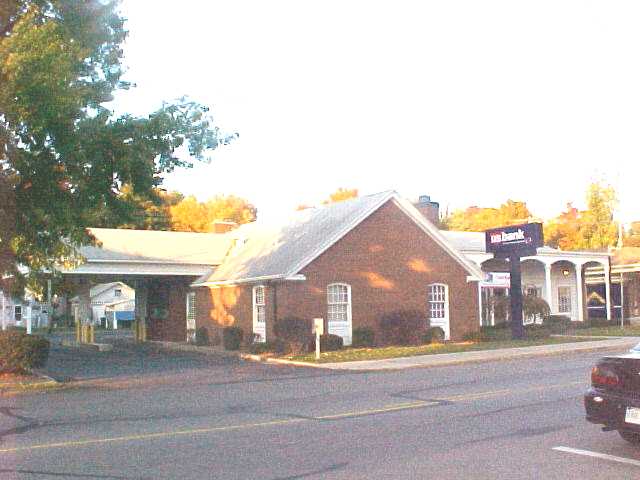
{"points": [[513, 419]]}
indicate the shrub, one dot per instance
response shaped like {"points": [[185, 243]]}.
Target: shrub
{"points": [[279, 347], [558, 323], [403, 327], [201, 336], [433, 335], [20, 353], [534, 331], [363, 337], [232, 338], [328, 343], [491, 333], [295, 332], [535, 307]]}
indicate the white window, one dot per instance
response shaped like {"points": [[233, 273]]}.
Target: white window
{"points": [[17, 313], [259, 304], [532, 291], [117, 292], [338, 302], [564, 299], [437, 301], [191, 311]]}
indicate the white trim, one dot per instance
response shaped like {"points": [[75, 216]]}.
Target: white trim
{"points": [[443, 322], [343, 329], [262, 331]]}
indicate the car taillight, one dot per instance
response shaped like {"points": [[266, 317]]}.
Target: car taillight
{"points": [[604, 376]]}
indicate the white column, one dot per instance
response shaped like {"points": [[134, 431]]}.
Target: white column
{"points": [[622, 299], [580, 291], [547, 284], [479, 304], [607, 289], [3, 312]]}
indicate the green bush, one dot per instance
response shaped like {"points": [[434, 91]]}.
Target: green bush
{"points": [[202, 336], [433, 335], [491, 333], [295, 332], [328, 343], [558, 323], [232, 338], [363, 337], [535, 331], [20, 353], [278, 347], [403, 327]]}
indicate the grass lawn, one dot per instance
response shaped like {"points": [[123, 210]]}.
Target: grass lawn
{"points": [[628, 331], [354, 354]]}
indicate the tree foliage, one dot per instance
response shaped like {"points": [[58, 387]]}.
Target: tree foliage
{"points": [[590, 229], [632, 236], [189, 215], [341, 194], [65, 159], [477, 219]]}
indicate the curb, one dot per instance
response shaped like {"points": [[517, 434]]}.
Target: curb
{"points": [[428, 361], [45, 383]]}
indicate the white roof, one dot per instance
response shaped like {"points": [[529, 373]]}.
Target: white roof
{"points": [[282, 249], [151, 246]]}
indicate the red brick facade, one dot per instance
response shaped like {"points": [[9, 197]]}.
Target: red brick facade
{"points": [[388, 261]]}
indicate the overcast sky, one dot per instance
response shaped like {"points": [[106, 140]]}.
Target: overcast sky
{"points": [[471, 102]]}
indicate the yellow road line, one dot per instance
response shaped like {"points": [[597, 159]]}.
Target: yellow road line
{"points": [[150, 436], [387, 408], [358, 413]]}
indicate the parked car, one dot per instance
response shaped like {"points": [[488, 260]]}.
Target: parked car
{"points": [[614, 397]]}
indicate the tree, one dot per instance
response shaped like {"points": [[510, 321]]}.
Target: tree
{"points": [[564, 231], [189, 215], [590, 229], [341, 194], [64, 156], [632, 237], [598, 228], [477, 219]]}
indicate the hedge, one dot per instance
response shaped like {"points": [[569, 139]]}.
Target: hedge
{"points": [[232, 338], [363, 337], [403, 327], [20, 353]]}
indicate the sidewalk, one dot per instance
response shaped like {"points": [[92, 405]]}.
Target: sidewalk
{"points": [[617, 344]]}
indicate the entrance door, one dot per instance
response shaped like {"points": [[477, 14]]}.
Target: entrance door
{"points": [[438, 307]]}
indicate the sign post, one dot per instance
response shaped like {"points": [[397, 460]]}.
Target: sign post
{"points": [[318, 329], [512, 243]]}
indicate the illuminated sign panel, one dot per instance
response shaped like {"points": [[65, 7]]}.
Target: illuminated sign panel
{"points": [[520, 240]]}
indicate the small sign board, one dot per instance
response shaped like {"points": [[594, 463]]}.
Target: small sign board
{"points": [[318, 326], [497, 280], [521, 240]]}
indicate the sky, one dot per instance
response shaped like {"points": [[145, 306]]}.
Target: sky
{"points": [[470, 102]]}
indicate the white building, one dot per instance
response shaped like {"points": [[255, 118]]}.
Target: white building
{"points": [[104, 297], [556, 276]]}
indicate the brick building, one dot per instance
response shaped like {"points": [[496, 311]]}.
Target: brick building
{"points": [[348, 263]]}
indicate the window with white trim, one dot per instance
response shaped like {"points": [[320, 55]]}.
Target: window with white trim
{"points": [[259, 304], [338, 302], [17, 313], [191, 311], [437, 300], [117, 292], [564, 299]]}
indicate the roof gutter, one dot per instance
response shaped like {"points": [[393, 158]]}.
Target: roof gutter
{"points": [[242, 281]]}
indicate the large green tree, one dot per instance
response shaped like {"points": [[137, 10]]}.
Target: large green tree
{"points": [[64, 156]]}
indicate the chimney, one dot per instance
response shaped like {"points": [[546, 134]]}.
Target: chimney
{"points": [[431, 210], [223, 226]]}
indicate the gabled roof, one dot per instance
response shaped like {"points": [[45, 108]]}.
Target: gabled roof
{"points": [[280, 250]]}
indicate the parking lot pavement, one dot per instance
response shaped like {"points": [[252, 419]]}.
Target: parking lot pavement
{"points": [[128, 360]]}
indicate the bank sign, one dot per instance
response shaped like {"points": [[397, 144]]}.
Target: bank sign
{"points": [[521, 240]]}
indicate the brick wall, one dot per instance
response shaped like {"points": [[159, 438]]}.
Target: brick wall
{"points": [[388, 261]]}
